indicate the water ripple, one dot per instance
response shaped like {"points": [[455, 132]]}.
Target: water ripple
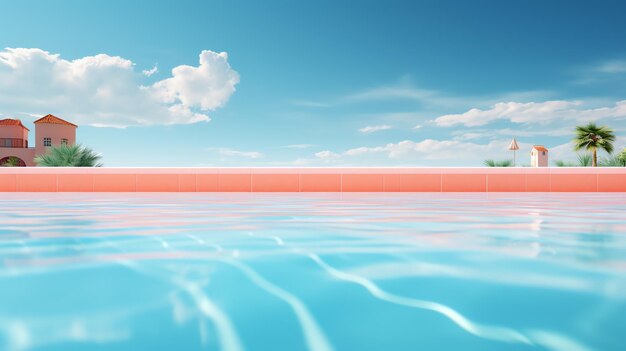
{"points": [[269, 271]]}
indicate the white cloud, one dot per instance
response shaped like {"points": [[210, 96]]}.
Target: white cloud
{"points": [[208, 86], [106, 90], [431, 152], [236, 153], [372, 129], [149, 72], [533, 112], [417, 127]]}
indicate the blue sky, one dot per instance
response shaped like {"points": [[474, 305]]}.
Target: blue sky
{"points": [[316, 83]]}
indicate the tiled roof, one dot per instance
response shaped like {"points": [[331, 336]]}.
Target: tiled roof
{"points": [[53, 120], [12, 122], [540, 148]]}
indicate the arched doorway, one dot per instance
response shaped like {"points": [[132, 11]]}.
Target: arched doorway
{"points": [[12, 161]]}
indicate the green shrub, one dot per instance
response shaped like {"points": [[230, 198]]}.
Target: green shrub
{"points": [[69, 156]]}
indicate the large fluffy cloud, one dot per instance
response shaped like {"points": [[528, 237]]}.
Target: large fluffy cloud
{"points": [[533, 112], [104, 90]]}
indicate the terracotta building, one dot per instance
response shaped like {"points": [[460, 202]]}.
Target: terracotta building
{"points": [[49, 131]]}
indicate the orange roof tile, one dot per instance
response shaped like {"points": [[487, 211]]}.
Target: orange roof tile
{"points": [[12, 122], [540, 148], [53, 120]]}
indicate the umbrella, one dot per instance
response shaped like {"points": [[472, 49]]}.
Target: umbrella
{"points": [[513, 146]]}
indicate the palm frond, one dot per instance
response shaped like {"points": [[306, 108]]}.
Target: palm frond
{"points": [[584, 160], [69, 156], [591, 137]]}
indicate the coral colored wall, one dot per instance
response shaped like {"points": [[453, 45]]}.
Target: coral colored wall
{"points": [[42, 179]]}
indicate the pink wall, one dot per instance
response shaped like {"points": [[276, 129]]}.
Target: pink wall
{"points": [[26, 154], [17, 132], [313, 179], [54, 131]]}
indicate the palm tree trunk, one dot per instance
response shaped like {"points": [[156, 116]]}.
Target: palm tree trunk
{"points": [[595, 159]]}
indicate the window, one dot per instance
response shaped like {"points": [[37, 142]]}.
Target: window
{"points": [[63, 141], [47, 141], [543, 153]]}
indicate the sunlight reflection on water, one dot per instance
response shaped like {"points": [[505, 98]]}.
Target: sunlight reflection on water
{"points": [[312, 271]]}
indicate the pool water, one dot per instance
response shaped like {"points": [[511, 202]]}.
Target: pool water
{"points": [[312, 272]]}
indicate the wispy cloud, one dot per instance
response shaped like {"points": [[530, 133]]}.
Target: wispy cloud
{"points": [[237, 153], [429, 99], [532, 113], [613, 66], [392, 92], [435, 152], [309, 103], [299, 146], [490, 134], [151, 71], [372, 129], [327, 155], [606, 72]]}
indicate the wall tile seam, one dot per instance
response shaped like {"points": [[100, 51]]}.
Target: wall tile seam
{"points": [[487, 183]]}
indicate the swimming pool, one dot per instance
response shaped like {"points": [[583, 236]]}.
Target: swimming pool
{"points": [[312, 271]]}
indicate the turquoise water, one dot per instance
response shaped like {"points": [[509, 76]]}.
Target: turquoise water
{"points": [[317, 272]]}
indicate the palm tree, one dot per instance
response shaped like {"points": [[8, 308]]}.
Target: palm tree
{"points": [[69, 156], [591, 137], [492, 163]]}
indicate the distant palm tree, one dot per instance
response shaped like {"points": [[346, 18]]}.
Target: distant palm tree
{"points": [[622, 157], [584, 160], [69, 156], [492, 163], [591, 137], [611, 161]]}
